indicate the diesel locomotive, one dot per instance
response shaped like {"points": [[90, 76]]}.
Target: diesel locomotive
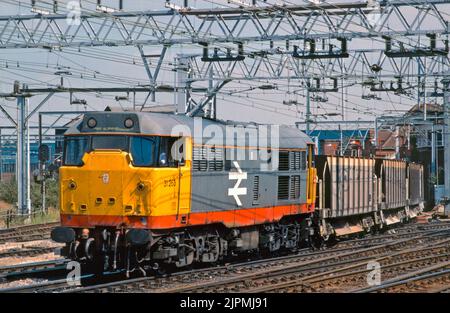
{"points": [[143, 190]]}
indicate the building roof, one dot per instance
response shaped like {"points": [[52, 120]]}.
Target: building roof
{"points": [[327, 134], [386, 138], [431, 108]]}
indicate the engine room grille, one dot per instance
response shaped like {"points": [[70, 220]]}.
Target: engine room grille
{"points": [[303, 160], [283, 161], [283, 187], [200, 162], [297, 160], [207, 158], [215, 159], [255, 189], [294, 160], [294, 187]]}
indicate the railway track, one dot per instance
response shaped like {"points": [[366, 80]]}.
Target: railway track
{"points": [[396, 233], [344, 279], [204, 273], [277, 278], [26, 252], [61, 286], [27, 232], [180, 280], [343, 254], [27, 269], [430, 279]]}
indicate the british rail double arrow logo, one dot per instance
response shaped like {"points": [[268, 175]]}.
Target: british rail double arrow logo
{"points": [[237, 191]]}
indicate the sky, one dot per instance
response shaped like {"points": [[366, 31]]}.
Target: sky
{"points": [[122, 66]]}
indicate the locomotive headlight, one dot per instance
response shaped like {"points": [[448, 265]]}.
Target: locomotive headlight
{"points": [[128, 123], [92, 122], [72, 185]]}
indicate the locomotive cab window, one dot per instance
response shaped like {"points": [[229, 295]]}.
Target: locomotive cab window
{"points": [[167, 151], [143, 151], [146, 151], [110, 142], [74, 149], [153, 151]]}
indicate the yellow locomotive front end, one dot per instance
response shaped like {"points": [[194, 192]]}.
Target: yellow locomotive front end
{"points": [[118, 184], [109, 189]]}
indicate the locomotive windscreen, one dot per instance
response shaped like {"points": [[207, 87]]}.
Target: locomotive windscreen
{"points": [[110, 142], [146, 151], [74, 149], [143, 150]]}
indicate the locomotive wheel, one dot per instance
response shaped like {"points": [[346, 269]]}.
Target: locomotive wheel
{"points": [[317, 242], [96, 265], [164, 269]]}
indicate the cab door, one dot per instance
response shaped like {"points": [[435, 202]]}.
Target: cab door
{"points": [[311, 179], [171, 179], [184, 149]]}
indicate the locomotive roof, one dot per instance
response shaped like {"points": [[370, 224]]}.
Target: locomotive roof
{"points": [[167, 124]]}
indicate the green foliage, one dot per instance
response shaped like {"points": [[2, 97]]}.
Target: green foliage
{"points": [[52, 215], [51, 194], [8, 193]]}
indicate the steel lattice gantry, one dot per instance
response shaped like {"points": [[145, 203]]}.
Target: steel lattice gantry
{"points": [[358, 66], [396, 18], [398, 75]]}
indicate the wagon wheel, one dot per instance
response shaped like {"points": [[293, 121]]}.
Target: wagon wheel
{"points": [[332, 241], [368, 229]]}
